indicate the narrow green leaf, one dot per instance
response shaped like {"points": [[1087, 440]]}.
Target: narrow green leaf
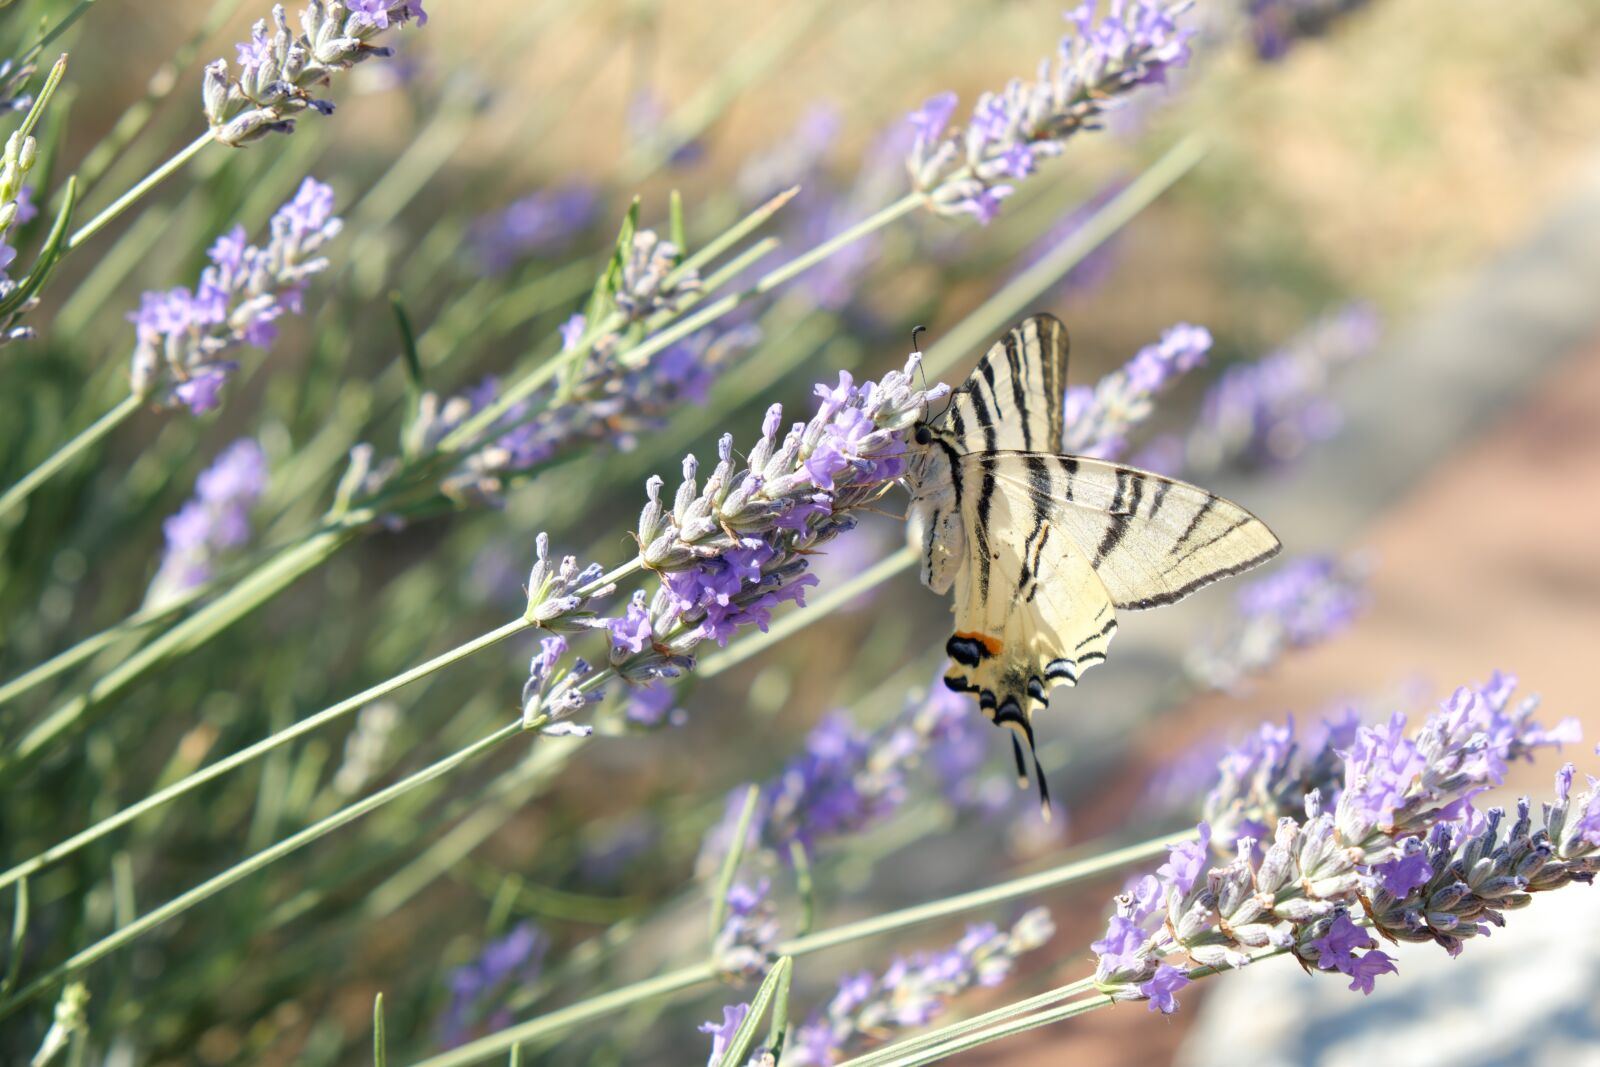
{"points": [[777, 1032], [57, 72], [380, 1043], [515, 1059], [408, 346], [737, 232], [675, 225], [730, 862], [805, 885], [744, 1037], [19, 931], [49, 255]]}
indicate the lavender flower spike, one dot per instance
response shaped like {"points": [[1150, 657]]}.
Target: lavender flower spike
{"points": [[278, 70], [734, 548], [969, 170], [16, 161], [914, 990], [181, 336], [215, 521], [1099, 419]]}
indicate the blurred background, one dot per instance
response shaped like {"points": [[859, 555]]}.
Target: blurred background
{"points": [[1410, 194]]}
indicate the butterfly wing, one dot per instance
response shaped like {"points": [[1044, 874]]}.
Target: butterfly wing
{"points": [[1030, 612], [1013, 400], [1151, 539]]}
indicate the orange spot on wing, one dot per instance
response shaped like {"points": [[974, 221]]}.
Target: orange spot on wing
{"points": [[992, 644]]}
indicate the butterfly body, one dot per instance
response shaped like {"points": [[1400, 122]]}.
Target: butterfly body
{"points": [[1041, 548]]}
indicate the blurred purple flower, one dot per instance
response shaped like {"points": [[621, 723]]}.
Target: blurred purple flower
{"points": [[180, 335], [537, 224], [722, 1035], [477, 988], [1098, 419], [914, 990], [647, 123], [965, 170], [1265, 413], [1275, 25], [743, 948], [1299, 603], [215, 520], [1093, 268]]}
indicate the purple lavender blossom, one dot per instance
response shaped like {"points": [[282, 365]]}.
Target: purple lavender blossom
{"points": [[278, 69], [913, 990], [722, 1035], [796, 159], [1299, 603], [215, 521], [181, 335], [743, 948], [1275, 25], [1402, 850], [846, 779], [731, 552], [971, 169], [537, 224], [14, 77], [1162, 986], [479, 987], [1098, 419], [1264, 414]]}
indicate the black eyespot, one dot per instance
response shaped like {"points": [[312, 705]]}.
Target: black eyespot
{"points": [[923, 435]]}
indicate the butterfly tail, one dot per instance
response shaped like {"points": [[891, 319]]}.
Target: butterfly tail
{"points": [[1022, 730]]}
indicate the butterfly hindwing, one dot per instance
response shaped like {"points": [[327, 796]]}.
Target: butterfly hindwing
{"points": [[1030, 613], [1013, 400]]}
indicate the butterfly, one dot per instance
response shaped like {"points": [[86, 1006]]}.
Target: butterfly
{"points": [[1043, 548]]}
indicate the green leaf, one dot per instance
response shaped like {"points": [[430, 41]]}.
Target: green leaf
{"points": [[730, 862], [408, 350], [380, 1043], [19, 931], [805, 885], [777, 1032], [57, 72], [49, 255], [744, 1037], [675, 225]]}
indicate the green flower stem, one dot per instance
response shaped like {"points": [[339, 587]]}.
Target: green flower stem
{"points": [[1007, 1029], [260, 748], [144, 185], [266, 857], [996, 313], [937, 1037], [67, 452], [696, 974], [259, 586], [62, 25]]}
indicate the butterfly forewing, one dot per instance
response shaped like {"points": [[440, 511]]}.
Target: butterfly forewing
{"points": [[1151, 539], [1013, 400]]}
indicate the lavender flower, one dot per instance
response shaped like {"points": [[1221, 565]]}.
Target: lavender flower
{"points": [[536, 224], [14, 77], [215, 521], [914, 990], [16, 162], [182, 335], [1276, 24], [722, 1034], [743, 948], [731, 551], [1302, 602], [279, 70], [970, 170], [1402, 849], [478, 987], [1098, 419], [846, 779], [1265, 414]]}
